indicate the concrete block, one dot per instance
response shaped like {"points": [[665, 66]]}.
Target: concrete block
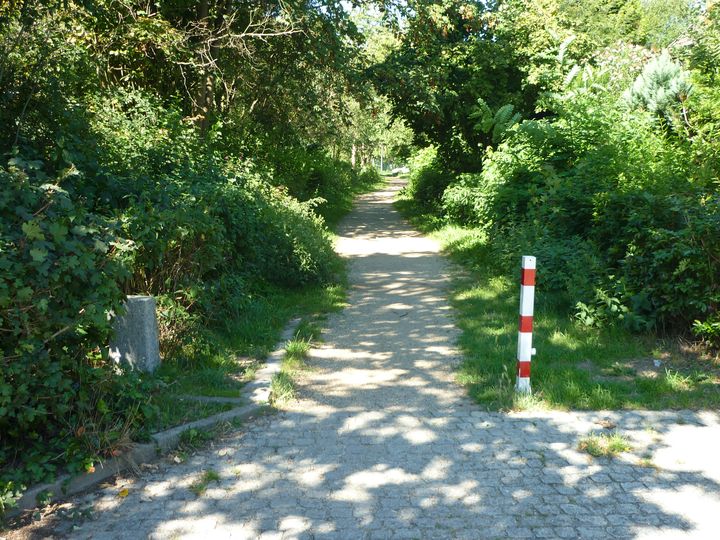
{"points": [[136, 343]]}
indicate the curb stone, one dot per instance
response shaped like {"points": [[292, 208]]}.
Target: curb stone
{"points": [[257, 392]]}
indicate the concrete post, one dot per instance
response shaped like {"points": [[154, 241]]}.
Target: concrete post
{"points": [[136, 342]]}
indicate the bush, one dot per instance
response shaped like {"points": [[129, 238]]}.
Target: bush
{"points": [[612, 203], [139, 206], [428, 178], [468, 200], [61, 401]]}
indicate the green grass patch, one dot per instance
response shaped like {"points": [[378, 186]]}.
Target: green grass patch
{"points": [[604, 444], [282, 389], [575, 367], [199, 487], [174, 411], [296, 351]]}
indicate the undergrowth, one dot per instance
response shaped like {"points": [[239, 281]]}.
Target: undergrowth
{"points": [[576, 367]]}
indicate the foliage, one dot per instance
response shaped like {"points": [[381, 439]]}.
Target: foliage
{"points": [[428, 177], [708, 330], [60, 399], [666, 22], [661, 88], [496, 124], [604, 444], [155, 148], [613, 207], [446, 60]]}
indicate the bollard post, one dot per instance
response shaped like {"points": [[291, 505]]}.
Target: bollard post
{"points": [[525, 349]]}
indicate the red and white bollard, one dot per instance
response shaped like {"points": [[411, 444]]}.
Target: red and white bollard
{"points": [[525, 349]]}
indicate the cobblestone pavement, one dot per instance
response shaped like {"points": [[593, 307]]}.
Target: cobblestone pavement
{"points": [[384, 444]]}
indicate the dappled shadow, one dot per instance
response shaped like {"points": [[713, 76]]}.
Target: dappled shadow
{"points": [[384, 444], [352, 472]]}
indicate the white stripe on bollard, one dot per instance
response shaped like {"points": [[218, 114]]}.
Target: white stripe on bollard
{"points": [[525, 350]]}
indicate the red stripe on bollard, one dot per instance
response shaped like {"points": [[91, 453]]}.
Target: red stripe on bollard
{"points": [[526, 323], [527, 277], [523, 369]]}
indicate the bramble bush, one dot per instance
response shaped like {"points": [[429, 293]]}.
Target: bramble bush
{"points": [[61, 402]]}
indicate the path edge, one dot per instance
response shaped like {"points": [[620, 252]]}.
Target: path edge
{"points": [[257, 391]]}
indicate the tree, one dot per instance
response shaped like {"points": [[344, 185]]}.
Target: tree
{"points": [[448, 58]]}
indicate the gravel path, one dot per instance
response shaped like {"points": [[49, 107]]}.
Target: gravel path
{"points": [[384, 444]]}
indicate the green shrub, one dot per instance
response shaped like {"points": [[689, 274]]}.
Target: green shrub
{"points": [[469, 200], [708, 330], [613, 205], [61, 401], [428, 178], [140, 206]]}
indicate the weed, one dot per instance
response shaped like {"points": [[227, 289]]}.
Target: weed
{"points": [[308, 330], [199, 487], [193, 439], [296, 351], [678, 382], [604, 444], [282, 388]]}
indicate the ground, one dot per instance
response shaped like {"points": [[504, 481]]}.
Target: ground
{"points": [[383, 443]]}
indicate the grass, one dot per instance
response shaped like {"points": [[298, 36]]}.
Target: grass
{"points": [[296, 351], [282, 388], [604, 444], [575, 367], [175, 411], [199, 487]]}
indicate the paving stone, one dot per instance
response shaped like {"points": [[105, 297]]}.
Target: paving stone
{"points": [[565, 532]]}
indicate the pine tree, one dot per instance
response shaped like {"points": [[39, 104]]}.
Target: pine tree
{"points": [[661, 88]]}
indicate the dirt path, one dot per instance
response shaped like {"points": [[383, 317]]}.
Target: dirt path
{"points": [[384, 444]]}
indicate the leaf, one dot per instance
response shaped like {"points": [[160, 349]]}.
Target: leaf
{"points": [[24, 294], [58, 231], [124, 492], [32, 231], [102, 407], [39, 254]]}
